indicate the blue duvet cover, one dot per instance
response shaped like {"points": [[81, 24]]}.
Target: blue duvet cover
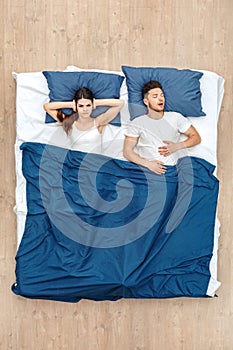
{"points": [[103, 229]]}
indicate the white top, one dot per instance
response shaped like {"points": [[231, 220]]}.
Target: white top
{"points": [[152, 133], [86, 141]]}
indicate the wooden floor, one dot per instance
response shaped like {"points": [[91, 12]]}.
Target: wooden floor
{"points": [[49, 34]]}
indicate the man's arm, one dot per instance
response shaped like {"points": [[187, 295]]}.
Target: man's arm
{"points": [[129, 153], [193, 139]]}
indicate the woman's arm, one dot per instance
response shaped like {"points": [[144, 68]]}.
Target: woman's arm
{"points": [[52, 107], [115, 107], [128, 151]]}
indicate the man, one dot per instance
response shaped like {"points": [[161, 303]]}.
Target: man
{"points": [[152, 140]]}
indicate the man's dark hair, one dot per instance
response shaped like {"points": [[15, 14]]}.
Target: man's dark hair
{"points": [[152, 84]]}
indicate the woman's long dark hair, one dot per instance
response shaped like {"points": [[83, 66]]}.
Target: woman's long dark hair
{"points": [[68, 120]]}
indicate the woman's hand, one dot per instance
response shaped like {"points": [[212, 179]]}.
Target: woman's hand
{"points": [[74, 107]]}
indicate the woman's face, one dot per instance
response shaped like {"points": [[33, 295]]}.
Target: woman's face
{"points": [[84, 107]]}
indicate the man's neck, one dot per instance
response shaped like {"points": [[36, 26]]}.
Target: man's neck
{"points": [[155, 115]]}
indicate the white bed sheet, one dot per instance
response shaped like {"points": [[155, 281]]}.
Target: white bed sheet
{"points": [[32, 93]]}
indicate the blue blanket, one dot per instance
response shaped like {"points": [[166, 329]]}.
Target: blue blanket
{"points": [[103, 229]]}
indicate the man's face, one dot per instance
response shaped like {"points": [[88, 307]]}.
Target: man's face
{"points": [[155, 100]]}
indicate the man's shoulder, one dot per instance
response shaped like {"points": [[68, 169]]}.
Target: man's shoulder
{"points": [[178, 120], [140, 119], [173, 114]]}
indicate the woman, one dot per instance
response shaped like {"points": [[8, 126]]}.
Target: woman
{"points": [[83, 128]]}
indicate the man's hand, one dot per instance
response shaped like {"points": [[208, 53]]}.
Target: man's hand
{"points": [[156, 166], [193, 139], [128, 151], [169, 149]]}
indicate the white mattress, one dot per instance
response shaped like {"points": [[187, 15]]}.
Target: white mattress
{"points": [[32, 93]]}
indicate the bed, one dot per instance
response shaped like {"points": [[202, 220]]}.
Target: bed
{"points": [[89, 226]]}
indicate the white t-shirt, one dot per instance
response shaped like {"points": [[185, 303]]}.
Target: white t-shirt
{"points": [[152, 133]]}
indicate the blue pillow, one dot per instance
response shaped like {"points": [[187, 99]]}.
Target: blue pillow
{"points": [[181, 89], [63, 85]]}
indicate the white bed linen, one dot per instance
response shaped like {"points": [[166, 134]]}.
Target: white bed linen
{"points": [[32, 93]]}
